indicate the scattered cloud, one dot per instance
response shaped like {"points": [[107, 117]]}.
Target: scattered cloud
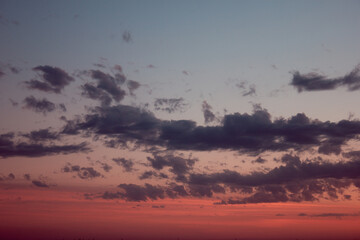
{"points": [[316, 82], [9, 148], [38, 183], [82, 172], [42, 135], [43, 106], [127, 37], [170, 105], [209, 116], [127, 164], [52, 79]]}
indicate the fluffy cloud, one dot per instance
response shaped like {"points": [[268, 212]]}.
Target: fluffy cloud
{"points": [[52, 79]]}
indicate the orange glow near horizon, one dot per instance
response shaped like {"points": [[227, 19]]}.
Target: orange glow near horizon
{"points": [[61, 214]]}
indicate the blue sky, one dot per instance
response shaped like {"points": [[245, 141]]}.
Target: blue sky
{"points": [[218, 43]]}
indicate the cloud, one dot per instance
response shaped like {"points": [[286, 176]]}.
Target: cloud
{"points": [[82, 172], [137, 193], [126, 36], [13, 103], [127, 164], [296, 181], [132, 86], [27, 176], [8, 148], [209, 116], [170, 105], [336, 215], [108, 86], [259, 160], [125, 123], [39, 105], [106, 167], [317, 82], [92, 92], [246, 90], [150, 174], [42, 135], [38, 183], [248, 133], [9, 177], [133, 192], [52, 79], [178, 165]]}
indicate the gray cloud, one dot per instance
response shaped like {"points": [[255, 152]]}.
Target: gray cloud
{"points": [[317, 82], [209, 116], [126, 36], [52, 79], [42, 135], [127, 164], [8, 148], [170, 105], [39, 105], [82, 172], [38, 183]]}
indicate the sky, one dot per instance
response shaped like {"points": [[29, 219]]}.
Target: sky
{"points": [[179, 119]]}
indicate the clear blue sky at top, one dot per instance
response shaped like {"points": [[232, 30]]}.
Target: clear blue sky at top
{"points": [[214, 40]]}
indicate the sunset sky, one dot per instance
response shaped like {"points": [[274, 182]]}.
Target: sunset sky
{"points": [[179, 120]]}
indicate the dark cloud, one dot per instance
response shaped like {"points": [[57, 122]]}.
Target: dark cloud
{"points": [[53, 79], [259, 160], [317, 82], [336, 215], [137, 193], [38, 183], [62, 107], [82, 172], [39, 105], [249, 133], [108, 86], [133, 192], [42, 135], [27, 177], [126, 123], [132, 86], [296, 181], [178, 165], [92, 92], [209, 116], [8, 148], [170, 105], [127, 164], [245, 89], [150, 174], [106, 167], [126, 36]]}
